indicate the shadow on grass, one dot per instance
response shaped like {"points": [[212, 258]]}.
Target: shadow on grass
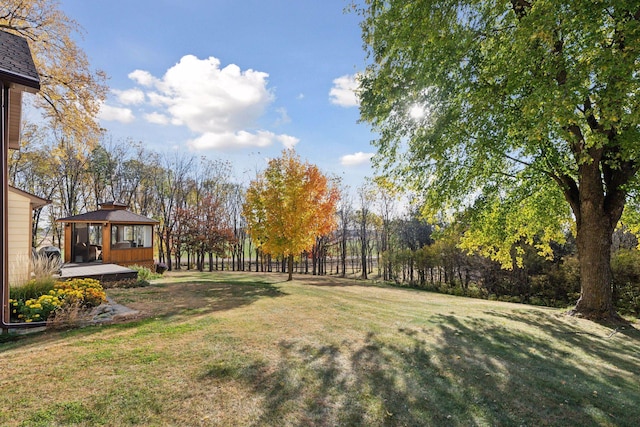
{"points": [[163, 301], [467, 372], [199, 297]]}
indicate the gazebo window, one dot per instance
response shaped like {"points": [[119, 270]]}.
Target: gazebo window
{"points": [[87, 242], [131, 236]]}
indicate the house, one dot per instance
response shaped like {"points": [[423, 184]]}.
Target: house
{"points": [[19, 234], [112, 234], [18, 74]]}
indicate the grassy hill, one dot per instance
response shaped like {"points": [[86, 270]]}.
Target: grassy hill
{"points": [[249, 349]]}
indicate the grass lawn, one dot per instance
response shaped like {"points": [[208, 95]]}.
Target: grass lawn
{"points": [[249, 349]]}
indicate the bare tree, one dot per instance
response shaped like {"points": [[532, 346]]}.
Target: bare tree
{"points": [[169, 184]]}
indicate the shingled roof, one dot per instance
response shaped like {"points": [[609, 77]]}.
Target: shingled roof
{"points": [[114, 216], [16, 63], [17, 74]]}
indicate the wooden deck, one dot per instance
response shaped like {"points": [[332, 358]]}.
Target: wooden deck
{"points": [[97, 270]]}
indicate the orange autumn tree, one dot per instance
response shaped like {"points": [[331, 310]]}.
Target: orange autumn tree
{"points": [[288, 205]]}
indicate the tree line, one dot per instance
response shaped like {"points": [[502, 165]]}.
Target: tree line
{"points": [[202, 208], [520, 116]]}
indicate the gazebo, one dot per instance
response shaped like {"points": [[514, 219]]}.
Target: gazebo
{"points": [[112, 234]]}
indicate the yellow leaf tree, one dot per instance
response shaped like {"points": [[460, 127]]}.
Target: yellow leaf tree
{"points": [[71, 93], [288, 206]]}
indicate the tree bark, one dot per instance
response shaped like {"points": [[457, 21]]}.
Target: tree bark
{"points": [[597, 215], [594, 256], [290, 268]]}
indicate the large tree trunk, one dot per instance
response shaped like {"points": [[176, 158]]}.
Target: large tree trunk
{"points": [[597, 214], [594, 255]]}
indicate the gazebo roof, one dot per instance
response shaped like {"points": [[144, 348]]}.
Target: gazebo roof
{"points": [[110, 212]]}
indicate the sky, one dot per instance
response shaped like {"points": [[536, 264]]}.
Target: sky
{"points": [[236, 80]]}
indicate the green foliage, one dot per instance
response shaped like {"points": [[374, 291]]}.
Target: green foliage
{"points": [[626, 281], [126, 283], [511, 111], [144, 274], [500, 226], [553, 282]]}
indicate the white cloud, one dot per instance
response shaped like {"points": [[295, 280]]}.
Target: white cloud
{"points": [[220, 104], [142, 77], [158, 100], [356, 159], [206, 98], [213, 140], [288, 141], [343, 92], [130, 97], [157, 118], [117, 114]]}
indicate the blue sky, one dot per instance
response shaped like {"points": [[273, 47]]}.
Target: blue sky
{"points": [[236, 80]]}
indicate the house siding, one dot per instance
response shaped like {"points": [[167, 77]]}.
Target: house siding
{"points": [[19, 237]]}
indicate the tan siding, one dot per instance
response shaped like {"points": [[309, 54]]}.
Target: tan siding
{"points": [[15, 113], [19, 237]]}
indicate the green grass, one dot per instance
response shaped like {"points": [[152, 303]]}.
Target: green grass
{"points": [[251, 349]]}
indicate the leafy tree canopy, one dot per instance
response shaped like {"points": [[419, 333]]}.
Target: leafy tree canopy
{"points": [[525, 112], [472, 99], [289, 205]]}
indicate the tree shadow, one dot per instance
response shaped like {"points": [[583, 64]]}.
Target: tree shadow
{"points": [[466, 372]]}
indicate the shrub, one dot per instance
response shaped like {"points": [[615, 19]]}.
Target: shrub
{"points": [[625, 265], [85, 292], [43, 298], [144, 273]]}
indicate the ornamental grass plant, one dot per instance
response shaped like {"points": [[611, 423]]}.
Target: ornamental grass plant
{"points": [[43, 266], [34, 288]]}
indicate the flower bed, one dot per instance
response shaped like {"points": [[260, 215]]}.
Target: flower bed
{"points": [[83, 293]]}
